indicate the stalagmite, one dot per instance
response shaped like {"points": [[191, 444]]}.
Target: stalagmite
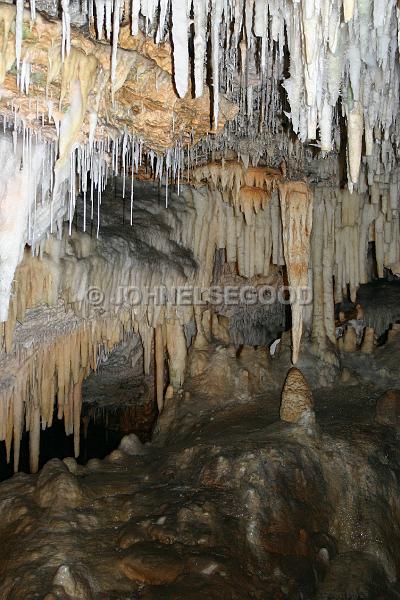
{"points": [[297, 402], [296, 211], [368, 343], [350, 340]]}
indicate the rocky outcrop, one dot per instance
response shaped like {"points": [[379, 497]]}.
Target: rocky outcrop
{"points": [[388, 408], [230, 503]]}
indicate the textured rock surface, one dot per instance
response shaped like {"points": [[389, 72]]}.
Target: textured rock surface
{"points": [[297, 401], [388, 408], [226, 502]]}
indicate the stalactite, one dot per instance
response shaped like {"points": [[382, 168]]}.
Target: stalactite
{"points": [[66, 29], [176, 347], [116, 25], [200, 44], [159, 362], [181, 51], [34, 438], [19, 24], [296, 211], [319, 334], [215, 24], [355, 135]]}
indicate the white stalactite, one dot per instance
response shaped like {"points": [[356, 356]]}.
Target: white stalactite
{"points": [[355, 128], [66, 29], [216, 16], [19, 24], [200, 44], [181, 50]]}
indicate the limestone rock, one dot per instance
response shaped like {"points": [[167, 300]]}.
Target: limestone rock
{"points": [[394, 332], [297, 401], [151, 566], [220, 328], [57, 489], [368, 343], [72, 584], [350, 340], [131, 445], [388, 408]]}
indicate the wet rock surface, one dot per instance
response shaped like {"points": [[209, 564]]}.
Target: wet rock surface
{"points": [[388, 408], [226, 502]]}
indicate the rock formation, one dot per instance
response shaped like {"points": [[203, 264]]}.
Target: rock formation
{"points": [[194, 197], [297, 401]]}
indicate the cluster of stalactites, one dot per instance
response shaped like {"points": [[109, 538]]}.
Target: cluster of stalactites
{"points": [[339, 51], [55, 366], [337, 48], [250, 191], [344, 226], [247, 189], [39, 377]]}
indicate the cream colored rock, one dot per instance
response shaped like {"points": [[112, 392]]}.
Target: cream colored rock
{"points": [[297, 216], [159, 361], [177, 353], [71, 465], [296, 401], [199, 360], [350, 340], [169, 393], [368, 343], [116, 456], [348, 377], [220, 328]]}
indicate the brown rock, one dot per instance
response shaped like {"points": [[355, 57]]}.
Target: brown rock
{"points": [[57, 489], [297, 399], [368, 343], [73, 584], [394, 332], [220, 328], [151, 565], [388, 408], [350, 340]]}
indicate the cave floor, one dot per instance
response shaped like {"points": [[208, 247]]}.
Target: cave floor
{"points": [[232, 503]]}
